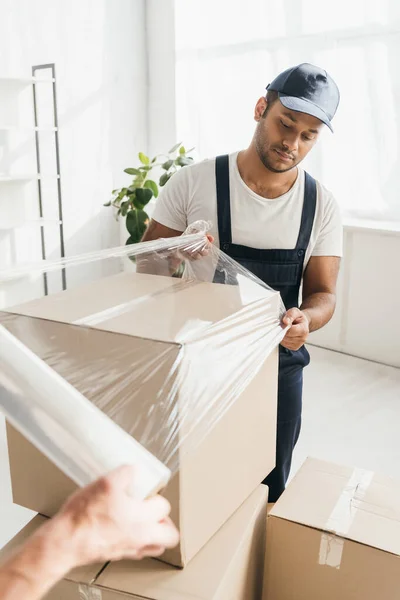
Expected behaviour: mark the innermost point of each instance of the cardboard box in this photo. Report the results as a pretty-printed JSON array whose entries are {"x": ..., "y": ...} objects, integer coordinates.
[
  {"x": 229, "y": 567},
  {"x": 81, "y": 575},
  {"x": 334, "y": 533},
  {"x": 120, "y": 359}
]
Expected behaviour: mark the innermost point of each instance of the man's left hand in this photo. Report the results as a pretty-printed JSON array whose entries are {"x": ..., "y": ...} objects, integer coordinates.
[{"x": 299, "y": 329}]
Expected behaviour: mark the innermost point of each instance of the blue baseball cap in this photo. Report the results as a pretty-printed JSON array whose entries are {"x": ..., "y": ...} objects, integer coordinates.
[{"x": 308, "y": 89}]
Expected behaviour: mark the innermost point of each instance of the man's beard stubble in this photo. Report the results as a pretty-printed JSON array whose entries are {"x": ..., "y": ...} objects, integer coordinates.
[{"x": 264, "y": 157}]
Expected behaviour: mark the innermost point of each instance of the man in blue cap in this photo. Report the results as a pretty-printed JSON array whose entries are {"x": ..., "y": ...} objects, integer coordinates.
[{"x": 275, "y": 220}]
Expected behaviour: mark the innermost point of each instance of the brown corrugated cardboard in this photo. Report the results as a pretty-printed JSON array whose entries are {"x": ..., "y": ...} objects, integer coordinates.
[
  {"x": 69, "y": 586},
  {"x": 221, "y": 472},
  {"x": 229, "y": 567},
  {"x": 334, "y": 533}
]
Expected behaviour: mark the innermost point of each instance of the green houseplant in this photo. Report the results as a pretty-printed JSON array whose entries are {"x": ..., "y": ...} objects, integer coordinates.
[{"x": 131, "y": 201}]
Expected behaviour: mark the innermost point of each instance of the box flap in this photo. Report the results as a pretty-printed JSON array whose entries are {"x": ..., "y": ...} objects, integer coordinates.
[
  {"x": 204, "y": 575},
  {"x": 86, "y": 574},
  {"x": 160, "y": 308},
  {"x": 354, "y": 504}
]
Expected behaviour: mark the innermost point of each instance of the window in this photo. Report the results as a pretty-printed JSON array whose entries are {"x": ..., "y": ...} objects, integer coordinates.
[{"x": 227, "y": 52}]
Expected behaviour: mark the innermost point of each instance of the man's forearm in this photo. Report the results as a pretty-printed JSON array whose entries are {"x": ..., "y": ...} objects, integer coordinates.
[
  {"x": 42, "y": 561},
  {"x": 158, "y": 264},
  {"x": 319, "y": 309}
]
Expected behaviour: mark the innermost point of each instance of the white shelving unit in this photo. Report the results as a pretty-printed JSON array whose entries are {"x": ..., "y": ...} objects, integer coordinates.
[
  {"x": 25, "y": 80},
  {"x": 14, "y": 216},
  {"x": 32, "y": 223},
  {"x": 23, "y": 178},
  {"x": 14, "y": 128}
]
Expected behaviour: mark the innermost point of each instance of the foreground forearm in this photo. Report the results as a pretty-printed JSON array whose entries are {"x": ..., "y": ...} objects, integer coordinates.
[
  {"x": 37, "y": 566},
  {"x": 319, "y": 309}
]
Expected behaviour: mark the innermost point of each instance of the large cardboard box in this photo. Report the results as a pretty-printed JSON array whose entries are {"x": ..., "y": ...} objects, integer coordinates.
[
  {"x": 229, "y": 567},
  {"x": 69, "y": 587},
  {"x": 169, "y": 335},
  {"x": 334, "y": 534}
]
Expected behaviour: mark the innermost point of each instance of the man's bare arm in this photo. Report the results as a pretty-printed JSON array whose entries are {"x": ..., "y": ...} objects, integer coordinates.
[
  {"x": 152, "y": 263},
  {"x": 156, "y": 231},
  {"x": 319, "y": 290},
  {"x": 319, "y": 301}
]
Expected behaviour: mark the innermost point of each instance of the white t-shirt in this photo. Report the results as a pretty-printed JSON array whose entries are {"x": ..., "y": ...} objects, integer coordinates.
[{"x": 257, "y": 222}]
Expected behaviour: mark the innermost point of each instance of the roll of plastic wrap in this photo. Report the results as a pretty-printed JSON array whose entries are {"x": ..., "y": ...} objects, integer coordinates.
[{"x": 81, "y": 440}]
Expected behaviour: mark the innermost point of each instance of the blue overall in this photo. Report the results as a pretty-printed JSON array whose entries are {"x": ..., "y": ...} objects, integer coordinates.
[{"x": 282, "y": 270}]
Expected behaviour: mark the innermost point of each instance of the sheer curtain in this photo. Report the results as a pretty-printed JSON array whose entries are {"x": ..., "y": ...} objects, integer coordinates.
[{"x": 228, "y": 51}]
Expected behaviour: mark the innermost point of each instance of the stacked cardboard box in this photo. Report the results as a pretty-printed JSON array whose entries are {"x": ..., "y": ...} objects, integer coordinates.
[
  {"x": 229, "y": 567},
  {"x": 107, "y": 325},
  {"x": 334, "y": 533}
]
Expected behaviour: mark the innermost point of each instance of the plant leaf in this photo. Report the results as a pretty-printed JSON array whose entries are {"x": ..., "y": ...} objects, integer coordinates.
[
  {"x": 164, "y": 178},
  {"x": 129, "y": 241},
  {"x": 174, "y": 148},
  {"x": 151, "y": 185},
  {"x": 122, "y": 194},
  {"x": 144, "y": 159},
  {"x": 107, "y": 203},
  {"x": 182, "y": 150},
  {"x": 143, "y": 197},
  {"x": 168, "y": 164},
  {"x": 132, "y": 171},
  {"x": 183, "y": 161},
  {"x": 124, "y": 208},
  {"x": 136, "y": 223}
]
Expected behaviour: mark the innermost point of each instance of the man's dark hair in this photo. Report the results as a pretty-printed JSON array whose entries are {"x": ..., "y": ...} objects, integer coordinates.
[{"x": 271, "y": 98}]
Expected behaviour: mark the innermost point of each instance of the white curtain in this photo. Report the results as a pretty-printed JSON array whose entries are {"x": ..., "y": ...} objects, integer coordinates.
[{"x": 227, "y": 51}]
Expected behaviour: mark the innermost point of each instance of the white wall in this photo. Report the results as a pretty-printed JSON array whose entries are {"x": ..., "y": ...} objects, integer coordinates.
[
  {"x": 367, "y": 323},
  {"x": 161, "y": 72},
  {"x": 99, "y": 49}
]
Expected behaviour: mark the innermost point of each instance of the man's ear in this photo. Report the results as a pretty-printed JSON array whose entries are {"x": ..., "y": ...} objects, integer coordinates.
[{"x": 260, "y": 108}]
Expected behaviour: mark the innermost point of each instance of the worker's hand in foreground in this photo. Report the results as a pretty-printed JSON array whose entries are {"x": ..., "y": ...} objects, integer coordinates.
[
  {"x": 107, "y": 524},
  {"x": 298, "y": 331}
]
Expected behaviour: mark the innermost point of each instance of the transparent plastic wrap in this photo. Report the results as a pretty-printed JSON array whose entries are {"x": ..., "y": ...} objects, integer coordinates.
[
  {"x": 53, "y": 415},
  {"x": 163, "y": 356}
]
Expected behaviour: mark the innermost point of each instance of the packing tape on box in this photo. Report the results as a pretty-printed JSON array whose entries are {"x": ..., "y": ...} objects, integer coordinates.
[
  {"x": 87, "y": 592},
  {"x": 342, "y": 517}
]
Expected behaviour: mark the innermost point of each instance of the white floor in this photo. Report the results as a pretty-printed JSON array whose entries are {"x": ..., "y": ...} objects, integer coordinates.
[
  {"x": 351, "y": 416},
  {"x": 351, "y": 413}
]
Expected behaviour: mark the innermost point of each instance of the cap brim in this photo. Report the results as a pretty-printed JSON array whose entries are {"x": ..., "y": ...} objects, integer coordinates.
[{"x": 304, "y": 106}]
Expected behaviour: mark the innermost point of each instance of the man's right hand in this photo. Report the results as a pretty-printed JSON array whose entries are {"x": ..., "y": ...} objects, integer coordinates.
[{"x": 107, "y": 524}]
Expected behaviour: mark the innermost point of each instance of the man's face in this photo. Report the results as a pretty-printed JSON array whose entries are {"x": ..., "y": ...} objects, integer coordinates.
[{"x": 283, "y": 137}]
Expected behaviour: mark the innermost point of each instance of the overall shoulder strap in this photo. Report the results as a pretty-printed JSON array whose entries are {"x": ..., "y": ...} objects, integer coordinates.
[
  {"x": 223, "y": 199},
  {"x": 308, "y": 214}
]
